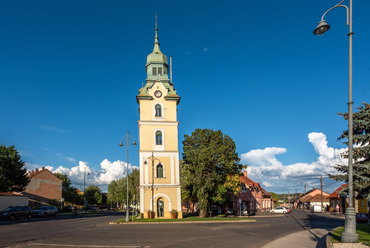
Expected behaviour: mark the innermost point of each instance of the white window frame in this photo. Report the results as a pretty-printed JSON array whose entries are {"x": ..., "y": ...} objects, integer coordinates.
[{"x": 158, "y": 147}]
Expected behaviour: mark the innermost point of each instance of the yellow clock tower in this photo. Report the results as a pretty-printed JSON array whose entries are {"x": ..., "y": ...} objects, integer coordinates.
[{"x": 158, "y": 134}]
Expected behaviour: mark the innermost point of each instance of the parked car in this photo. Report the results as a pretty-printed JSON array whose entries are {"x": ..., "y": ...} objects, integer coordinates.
[
  {"x": 45, "y": 211},
  {"x": 16, "y": 212},
  {"x": 279, "y": 210},
  {"x": 362, "y": 217}
]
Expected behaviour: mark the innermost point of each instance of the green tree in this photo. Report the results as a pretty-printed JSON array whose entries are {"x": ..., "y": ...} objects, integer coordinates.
[
  {"x": 361, "y": 152},
  {"x": 93, "y": 195},
  {"x": 117, "y": 189},
  {"x": 210, "y": 160},
  {"x": 13, "y": 177},
  {"x": 274, "y": 196},
  {"x": 69, "y": 193},
  {"x": 133, "y": 185}
]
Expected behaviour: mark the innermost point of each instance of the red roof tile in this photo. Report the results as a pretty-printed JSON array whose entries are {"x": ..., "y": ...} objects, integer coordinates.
[{"x": 335, "y": 194}]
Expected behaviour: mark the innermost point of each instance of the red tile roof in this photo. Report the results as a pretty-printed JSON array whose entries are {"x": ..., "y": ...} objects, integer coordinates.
[
  {"x": 248, "y": 181},
  {"x": 335, "y": 194}
]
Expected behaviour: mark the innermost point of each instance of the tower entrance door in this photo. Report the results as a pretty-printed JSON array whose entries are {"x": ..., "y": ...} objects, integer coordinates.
[{"x": 160, "y": 209}]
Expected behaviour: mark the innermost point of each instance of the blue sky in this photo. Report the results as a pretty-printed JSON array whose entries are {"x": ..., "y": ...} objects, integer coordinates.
[{"x": 70, "y": 71}]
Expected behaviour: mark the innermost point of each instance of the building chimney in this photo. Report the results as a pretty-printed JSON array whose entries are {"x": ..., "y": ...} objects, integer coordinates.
[
  {"x": 245, "y": 173},
  {"x": 37, "y": 170},
  {"x": 43, "y": 168}
]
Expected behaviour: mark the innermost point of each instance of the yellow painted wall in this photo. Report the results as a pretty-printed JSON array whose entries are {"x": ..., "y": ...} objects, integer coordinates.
[
  {"x": 148, "y": 125},
  {"x": 167, "y": 171},
  {"x": 147, "y": 137},
  {"x": 147, "y": 107}
]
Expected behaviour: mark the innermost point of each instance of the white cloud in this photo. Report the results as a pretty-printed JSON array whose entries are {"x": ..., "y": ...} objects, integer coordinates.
[
  {"x": 109, "y": 171},
  {"x": 264, "y": 166},
  {"x": 60, "y": 155},
  {"x": 205, "y": 49},
  {"x": 266, "y": 184},
  {"x": 31, "y": 167},
  {"x": 71, "y": 159}
]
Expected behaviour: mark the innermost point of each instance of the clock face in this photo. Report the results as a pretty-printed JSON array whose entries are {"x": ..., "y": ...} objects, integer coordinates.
[{"x": 158, "y": 93}]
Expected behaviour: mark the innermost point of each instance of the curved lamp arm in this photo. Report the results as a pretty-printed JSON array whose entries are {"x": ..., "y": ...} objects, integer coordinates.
[{"x": 336, "y": 6}]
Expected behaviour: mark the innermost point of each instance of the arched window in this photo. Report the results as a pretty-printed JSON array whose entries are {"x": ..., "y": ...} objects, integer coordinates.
[
  {"x": 158, "y": 138},
  {"x": 158, "y": 110},
  {"x": 159, "y": 170}
]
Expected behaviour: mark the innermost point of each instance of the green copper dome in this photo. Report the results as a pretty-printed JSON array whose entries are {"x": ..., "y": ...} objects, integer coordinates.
[{"x": 156, "y": 55}]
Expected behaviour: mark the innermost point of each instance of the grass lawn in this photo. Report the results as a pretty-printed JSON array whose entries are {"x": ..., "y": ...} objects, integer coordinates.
[
  {"x": 187, "y": 219},
  {"x": 363, "y": 231}
]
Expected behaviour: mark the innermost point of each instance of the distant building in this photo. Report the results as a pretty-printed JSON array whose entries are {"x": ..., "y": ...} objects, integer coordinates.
[
  {"x": 339, "y": 201},
  {"x": 310, "y": 199},
  {"x": 252, "y": 198},
  {"x": 43, "y": 188}
]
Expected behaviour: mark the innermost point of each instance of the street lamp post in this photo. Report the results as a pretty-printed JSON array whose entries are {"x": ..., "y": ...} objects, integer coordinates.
[
  {"x": 127, "y": 138},
  {"x": 84, "y": 186},
  {"x": 145, "y": 163},
  {"x": 349, "y": 235}
]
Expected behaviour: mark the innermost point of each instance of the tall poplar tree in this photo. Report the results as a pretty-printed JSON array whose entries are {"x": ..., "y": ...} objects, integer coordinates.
[
  {"x": 361, "y": 152},
  {"x": 13, "y": 175},
  {"x": 210, "y": 162}
]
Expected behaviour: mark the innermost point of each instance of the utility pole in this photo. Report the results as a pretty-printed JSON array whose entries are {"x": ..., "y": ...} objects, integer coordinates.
[
  {"x": 305, "y": 195},
  {"x": 322, "y": 195},
  {"x": 296, "y": 196}
]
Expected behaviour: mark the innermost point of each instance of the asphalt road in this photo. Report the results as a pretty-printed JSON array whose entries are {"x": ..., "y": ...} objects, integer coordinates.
[{"x": 95, "y": 231}]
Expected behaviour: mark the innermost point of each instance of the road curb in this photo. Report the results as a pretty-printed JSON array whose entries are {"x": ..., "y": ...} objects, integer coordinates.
[{"x": 180, "y": 222}]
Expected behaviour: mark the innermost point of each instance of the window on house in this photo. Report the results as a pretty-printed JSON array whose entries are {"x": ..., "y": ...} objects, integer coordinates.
[
  {"x": 158, "y": 110},
  {"x": 244, "y": 188},
  {"x": 159, "y": 71},
  {"x": 160, "y": 170},
  {"x": 154, "y": 71},
  {"x": 158, "y": 138}
]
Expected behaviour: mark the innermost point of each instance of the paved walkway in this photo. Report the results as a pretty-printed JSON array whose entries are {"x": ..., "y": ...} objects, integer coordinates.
[
  {"x": 304, "y": 239},
  {"x": 312, "y": 238}
]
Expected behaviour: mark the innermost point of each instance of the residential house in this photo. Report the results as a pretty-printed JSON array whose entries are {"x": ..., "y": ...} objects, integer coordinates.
[
  {"x": 311, "y": 198},
  {"x": 44, "y": 188},
  {"x": 339, "y": 201},
  {"x": 252, "y": 198}
]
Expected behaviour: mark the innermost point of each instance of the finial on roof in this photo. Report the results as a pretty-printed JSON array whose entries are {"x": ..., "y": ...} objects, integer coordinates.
[
  {"x": 156, "y": 21},
  {"x": 156, "y": 31}
]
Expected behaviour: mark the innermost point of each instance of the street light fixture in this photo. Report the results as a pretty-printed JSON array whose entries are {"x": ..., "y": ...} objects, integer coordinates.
[
  {"x": 349, "y": 235},
  {"x": 127, "y": 138},
  {"x": 146, "y": 163}
]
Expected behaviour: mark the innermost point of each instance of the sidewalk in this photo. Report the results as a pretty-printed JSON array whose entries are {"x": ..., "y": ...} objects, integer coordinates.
[{"x": 304, "y": 239}]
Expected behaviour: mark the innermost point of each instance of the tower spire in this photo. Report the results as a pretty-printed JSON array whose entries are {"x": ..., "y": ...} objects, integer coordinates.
[{"x": 156, "y": 40}]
